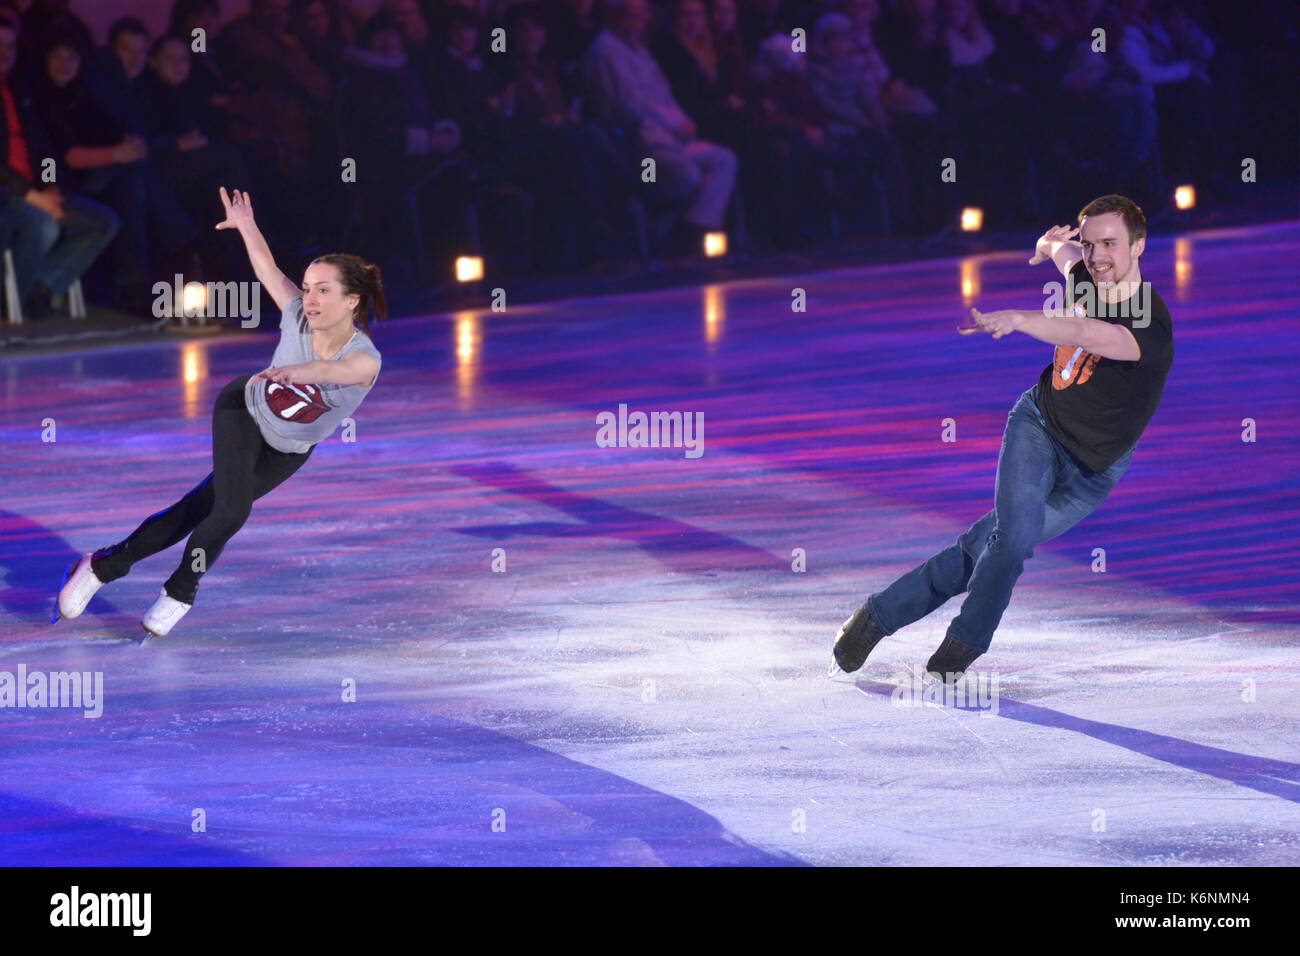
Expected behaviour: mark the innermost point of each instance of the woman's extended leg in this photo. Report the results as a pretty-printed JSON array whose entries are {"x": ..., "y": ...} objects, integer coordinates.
[
  {"x": 160, "y": 531},
  {"x": 156, "y": 533},
  {"x": 244, "y": 468},
  {"x": 164, "y": 529}
]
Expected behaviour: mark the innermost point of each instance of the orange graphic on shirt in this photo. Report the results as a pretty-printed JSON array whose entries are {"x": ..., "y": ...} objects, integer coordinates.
[{"x": 1071, "y": 366}]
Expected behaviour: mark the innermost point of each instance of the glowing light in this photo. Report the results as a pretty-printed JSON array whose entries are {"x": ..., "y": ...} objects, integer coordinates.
[
  {"x": 970, "y": 281},
  {"x": 715, "y": 313},
  {"x": 194, "y": 371},
  {"x": 715, "y": 244},
  {"x": 1185, "y": 197},
  {"x": 972, "y": 219},
  {"x": 469, "y": 268},
  {"x": 468, "y": 342},
  {"x": 1182, "y": 266},
  {"x": 466, "y": 336},
  {"x": 194, "y": 298}
]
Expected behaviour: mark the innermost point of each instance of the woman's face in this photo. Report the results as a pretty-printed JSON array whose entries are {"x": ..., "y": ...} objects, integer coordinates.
[
  {"x": 323, "y": 299},
  {"x": 62, "y": 65},
  {"x": 690, "y": 21},
  {"x": 724, "y": 16},
  {"x": 171, "y": 63}
]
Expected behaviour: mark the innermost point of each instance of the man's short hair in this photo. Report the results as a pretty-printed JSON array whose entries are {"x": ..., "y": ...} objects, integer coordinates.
[
  {"x": 132, "y": 25},
  {"x": 1129, "y": 211}
]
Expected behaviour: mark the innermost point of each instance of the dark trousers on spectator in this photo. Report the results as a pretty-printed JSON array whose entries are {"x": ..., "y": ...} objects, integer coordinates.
[
  {"x": 54, "y": 252},
  {"x": 142, "y": 199}
]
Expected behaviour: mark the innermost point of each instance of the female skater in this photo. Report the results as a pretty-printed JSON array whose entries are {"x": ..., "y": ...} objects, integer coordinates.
[{"x": 264, "y": 426}]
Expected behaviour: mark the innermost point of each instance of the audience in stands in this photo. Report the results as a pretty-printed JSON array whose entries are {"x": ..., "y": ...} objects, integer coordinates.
[
  {"x": 52, "y": 232},
  {"x": 801, "y": 119},
  {"x": 631, "y": 94}
]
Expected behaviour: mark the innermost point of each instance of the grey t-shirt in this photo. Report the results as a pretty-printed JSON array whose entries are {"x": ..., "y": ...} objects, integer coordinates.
[{"x": 292, "y": 418}]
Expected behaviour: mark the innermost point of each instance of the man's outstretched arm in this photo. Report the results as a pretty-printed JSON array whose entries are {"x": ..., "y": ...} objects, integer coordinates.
[{"x": 1100, "y": 338}]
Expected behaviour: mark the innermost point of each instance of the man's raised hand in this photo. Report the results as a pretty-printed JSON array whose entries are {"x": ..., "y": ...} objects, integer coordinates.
[{"x": 1043, "y": 249}]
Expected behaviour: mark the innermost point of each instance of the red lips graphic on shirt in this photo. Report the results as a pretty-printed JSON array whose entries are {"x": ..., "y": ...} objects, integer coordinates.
[
  {"x": 295, "y": 403},
  {"x": 1071, "y": 366}
]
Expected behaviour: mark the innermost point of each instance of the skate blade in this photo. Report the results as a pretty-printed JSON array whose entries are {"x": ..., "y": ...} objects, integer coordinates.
[
  {"x": 839, "y": 674},
  {"x": 55, "y": 617}
]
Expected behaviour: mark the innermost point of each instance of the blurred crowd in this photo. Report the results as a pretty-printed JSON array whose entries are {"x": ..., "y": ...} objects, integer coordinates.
[{"x": 430, "y": 127}]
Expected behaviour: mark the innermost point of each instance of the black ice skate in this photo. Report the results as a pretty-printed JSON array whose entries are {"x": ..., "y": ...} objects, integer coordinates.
[
  {"x": 951, "y": 660},
  {"x": 854, "y": 641}
]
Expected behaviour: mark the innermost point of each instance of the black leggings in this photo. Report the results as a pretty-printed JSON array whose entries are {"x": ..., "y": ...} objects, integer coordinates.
[{"x": 244, "y": 468}]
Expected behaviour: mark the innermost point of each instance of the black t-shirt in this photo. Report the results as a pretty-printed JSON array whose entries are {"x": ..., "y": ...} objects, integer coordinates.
[{"x": 1098, "y": 407}]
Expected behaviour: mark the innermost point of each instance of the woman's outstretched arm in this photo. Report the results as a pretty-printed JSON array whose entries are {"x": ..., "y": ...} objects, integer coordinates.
[{"x": 239, "y": 215}]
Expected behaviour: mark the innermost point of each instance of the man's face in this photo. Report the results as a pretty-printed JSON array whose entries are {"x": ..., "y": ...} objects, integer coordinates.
[
  {"x": 132, "y": 52},
  {"x": 172, "y": 62},
  {"x": 410, "y": 21},
  {"x": 1107, "y": 253},
  {"x": 385, "y": 43},
  {"x": 691, "y": 20},
  {"x": 464, "y": 38},
  {"x": 273, "y": 15},
  {"x": 724, "y": 16},
  {"x": 636, "y": 17},
  {"x": 316, "y": 21},
  {"x": 532, "y": 37}
]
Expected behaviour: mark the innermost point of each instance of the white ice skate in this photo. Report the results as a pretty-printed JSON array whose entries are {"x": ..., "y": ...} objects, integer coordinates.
[
  {"x": 164, "y": 614},
  {"x": 79, "y": 586}
]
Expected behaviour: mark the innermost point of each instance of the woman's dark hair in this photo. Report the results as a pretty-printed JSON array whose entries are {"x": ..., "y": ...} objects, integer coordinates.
[
  {"x": 361, "y": 278},
  {"x": 66, "y": 38}
]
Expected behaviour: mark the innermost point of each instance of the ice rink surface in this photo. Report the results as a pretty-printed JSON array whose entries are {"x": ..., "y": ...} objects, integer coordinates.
[{"x": 645, "y": 681}]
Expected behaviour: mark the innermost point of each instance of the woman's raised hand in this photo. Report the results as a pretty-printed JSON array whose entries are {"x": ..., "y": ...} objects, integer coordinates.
[{"x": 239, "y": 209}]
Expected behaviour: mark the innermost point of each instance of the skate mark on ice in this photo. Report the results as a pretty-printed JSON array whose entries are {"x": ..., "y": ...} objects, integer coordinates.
[
  {"x": 677, "y": 544},
  {"x": 1277, "y": 778}
]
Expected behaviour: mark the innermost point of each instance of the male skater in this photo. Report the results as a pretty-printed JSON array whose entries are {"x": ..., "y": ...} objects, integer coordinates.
[{"x": 1068, "y": 438}]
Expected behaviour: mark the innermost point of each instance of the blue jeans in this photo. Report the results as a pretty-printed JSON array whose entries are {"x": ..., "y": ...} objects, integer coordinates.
[
  {"x": 1041, "y": 491},
  {"x": 50, "y": 252}
]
